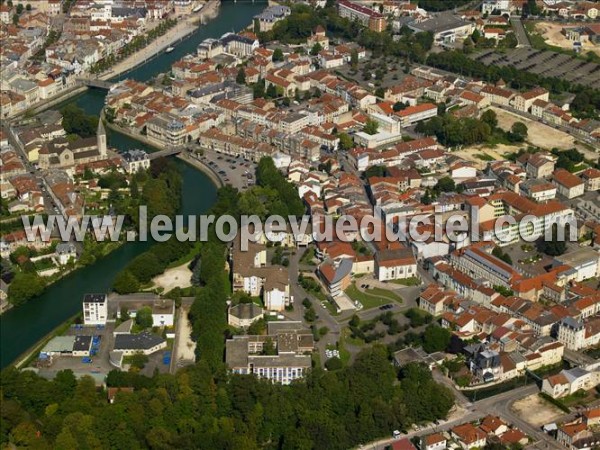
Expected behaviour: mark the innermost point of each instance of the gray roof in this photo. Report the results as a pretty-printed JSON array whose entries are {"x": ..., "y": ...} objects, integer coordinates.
[
  {"x": 94, "y": 298},
  {"x": 246, "y": 311},
  {"x": 82, "y": 343},
  {"x": 59, "y": 344},
  {"x": 125, "y": 327},
  {"x": 574, "y": 373},
  {"x": 142, "y": 341},
  {"x": 441, "y": 22}
]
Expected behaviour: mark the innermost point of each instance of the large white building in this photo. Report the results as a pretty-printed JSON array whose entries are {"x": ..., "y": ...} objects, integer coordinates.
[
  {"x": 95, "y": 309},
  {"x": 288, "y": 362},
  {"x": 577, "y": 334}
]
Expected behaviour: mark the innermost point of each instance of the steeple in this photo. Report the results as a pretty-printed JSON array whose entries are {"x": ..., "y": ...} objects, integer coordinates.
[{"x": 101, "y": 136}]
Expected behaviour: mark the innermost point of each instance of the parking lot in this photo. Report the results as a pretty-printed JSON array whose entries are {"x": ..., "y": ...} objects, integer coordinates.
[
  {"x": 97, "y": 364},
  {"x": 545, "y": 63},
  {"x": 235, "y": 171}
]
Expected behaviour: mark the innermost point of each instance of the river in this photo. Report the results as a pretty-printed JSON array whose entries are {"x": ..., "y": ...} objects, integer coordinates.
[{"x": 24, "y": 326}]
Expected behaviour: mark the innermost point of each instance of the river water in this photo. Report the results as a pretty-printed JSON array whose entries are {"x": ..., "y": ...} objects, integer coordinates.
[{"x": 22, "y": 327}]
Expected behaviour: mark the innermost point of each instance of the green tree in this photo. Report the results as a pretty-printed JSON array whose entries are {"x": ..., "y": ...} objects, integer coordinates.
[
  {"x": 241, "y": 76},
  {"x": 126, "y": 283},
  {"x": 354, "y": 59},
  {"x": 490, "y": 118},
  {"x": 271, "y": 91},
  {"x": 519, "y": 130},
  {"x": 139, "y": 360},
  {"x": 436, "y": 339},
  {"x": 143, "y": 317},
  {"x": 277, "y": 55},
  {"x": 371, "y": 127},
  {"x": 316, "y": 49},
  {"x": 554, "y": 246},
  {"x": 24, "y": 287},
  {"x": 346, "y": 142},
  {"x": 310, "y": 315},
  {"x": 445, "y": 184},
  {"x": 334, "y": 364}
]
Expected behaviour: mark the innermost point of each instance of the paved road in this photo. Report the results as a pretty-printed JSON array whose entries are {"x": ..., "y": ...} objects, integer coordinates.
[
  {"x": 499, "y": 405},
  {"x": 325, "y": 318},
  {"x": 520, "y": 32}
]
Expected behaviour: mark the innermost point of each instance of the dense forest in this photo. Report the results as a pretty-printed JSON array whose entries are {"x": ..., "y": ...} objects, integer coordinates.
[{"x": 204, "y": 408}]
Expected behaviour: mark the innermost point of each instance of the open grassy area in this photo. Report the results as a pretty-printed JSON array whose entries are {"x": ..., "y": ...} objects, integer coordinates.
[
  {"x": 412, "y": 281},
  {"x": 374, "y": 298},
  {"x": 347, "y": 334},
  {"x": 308, "y": 257},
  {"x": 484, "y": 157}
]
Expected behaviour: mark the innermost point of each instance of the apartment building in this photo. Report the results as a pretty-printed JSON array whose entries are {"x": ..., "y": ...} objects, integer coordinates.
[
  {"x": 568, "y": 185},
  {"x": 291, "y": 359},
  {"x": 95, "y": 309},
  {"x": 478, "y": 264},
  {"x": 366, "y": 16}
]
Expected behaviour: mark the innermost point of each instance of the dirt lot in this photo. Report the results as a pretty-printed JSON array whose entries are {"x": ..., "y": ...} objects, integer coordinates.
[
  {"x": 551, "y": 32},
  {"x": 184, "y": 347},
  {"x": 497, "y": 153},
  {"x": 179, "y": 276},
  {"x": 540, "y": 135},
  {"x": 536, "y": 411}
]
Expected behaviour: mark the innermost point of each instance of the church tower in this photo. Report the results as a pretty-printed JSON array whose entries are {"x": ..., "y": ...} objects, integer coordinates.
[{"x": 101, "y": 136}]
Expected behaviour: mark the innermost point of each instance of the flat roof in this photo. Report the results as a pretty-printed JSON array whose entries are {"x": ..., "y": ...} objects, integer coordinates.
[
  {"x": 59, "y": 344},
  {"x": 94, "y": 298},
  {"x": 142, "y": 341}
]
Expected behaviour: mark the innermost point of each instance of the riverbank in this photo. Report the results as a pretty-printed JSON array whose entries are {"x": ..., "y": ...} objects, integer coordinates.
[
  {"x": 184, "y": 28},
  {"x": 25, "y": 326},
  {"x": 205, "y": 168},
  {"x": 27, "y": 357},
  {"x": 214, "y": 177}
]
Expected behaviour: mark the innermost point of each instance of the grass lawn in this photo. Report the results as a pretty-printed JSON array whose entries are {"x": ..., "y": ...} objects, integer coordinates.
[
  {"x": 347, "y": 335},
  {"x": 331, "y": 308},
  {"x": 374, "y": 298},
  {"x": 308, "y": 257},
  {"x": 344, "y": 354},
  {"x": 484, "y": 156},
  {"x": 412, "y": 281}
]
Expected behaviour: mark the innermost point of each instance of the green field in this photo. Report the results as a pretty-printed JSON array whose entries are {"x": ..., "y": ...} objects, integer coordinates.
[{"x": 373, "y": 298}]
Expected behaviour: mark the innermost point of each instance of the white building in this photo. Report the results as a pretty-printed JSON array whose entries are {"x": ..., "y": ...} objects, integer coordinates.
[
  {"x": 95, "y": 309},
  {"x": 65, "y": 252},
  {"x": 497, "y": 6},
  {"x": 395, "y": 264},
  {"x": 135, "y": 160},
  {"x": 568, "y": 382}
]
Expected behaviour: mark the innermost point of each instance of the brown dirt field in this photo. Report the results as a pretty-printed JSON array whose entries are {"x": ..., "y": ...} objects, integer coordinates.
[
  {"x": 176, "y": 277},
  {"x": 540, "y": 135},
  {"x": 551, "y": 32},
  {"x": 536, "y": 411}
]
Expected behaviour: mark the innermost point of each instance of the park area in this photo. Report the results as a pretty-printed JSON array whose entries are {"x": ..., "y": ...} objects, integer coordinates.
[{"x": 372, "y": 297}]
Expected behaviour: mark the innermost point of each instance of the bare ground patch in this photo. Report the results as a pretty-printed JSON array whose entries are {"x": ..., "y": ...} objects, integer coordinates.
[
  {"x": 179, "y": 276},
  {"x": 536, "y": 411},
  {"x": 551, "y": 32}
]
